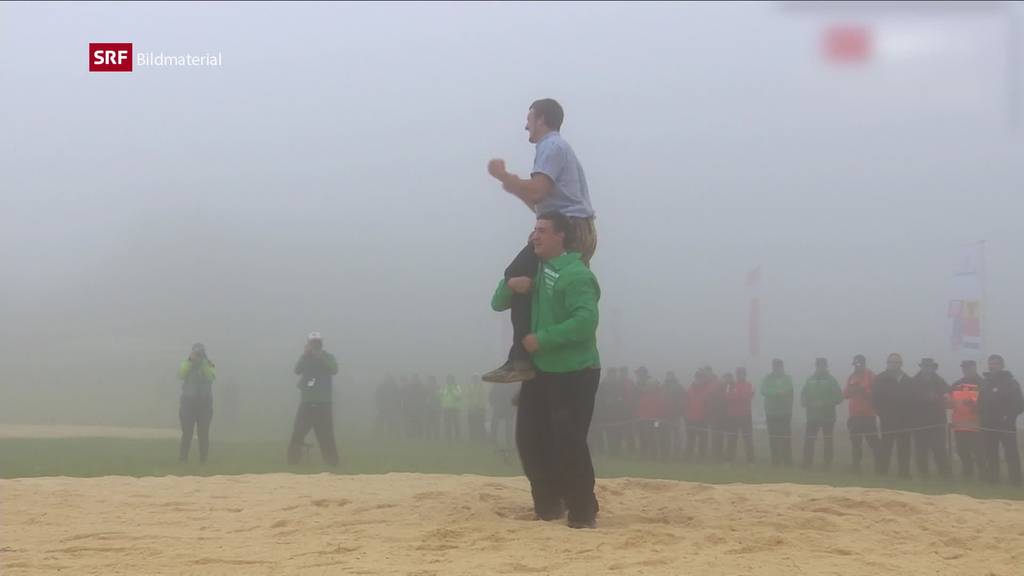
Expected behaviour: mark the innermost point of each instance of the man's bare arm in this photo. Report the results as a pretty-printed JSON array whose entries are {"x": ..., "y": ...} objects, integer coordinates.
[{"x": 530, "y": 191}]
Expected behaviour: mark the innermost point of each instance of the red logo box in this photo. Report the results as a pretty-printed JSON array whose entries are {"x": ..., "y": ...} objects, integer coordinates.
[{"x": 110, "y": 57}]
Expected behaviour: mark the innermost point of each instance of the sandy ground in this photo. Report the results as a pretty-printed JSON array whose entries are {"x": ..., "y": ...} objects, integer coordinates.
[
  {"x": 64, "y": 431},
  {"x": 424, "y": 524}
]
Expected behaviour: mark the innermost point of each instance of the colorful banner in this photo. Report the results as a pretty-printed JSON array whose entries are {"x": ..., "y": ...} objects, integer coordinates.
[{"x": 965, "y": 303}]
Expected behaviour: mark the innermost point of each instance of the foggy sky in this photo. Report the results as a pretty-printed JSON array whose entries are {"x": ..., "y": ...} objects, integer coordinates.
[{"x": 331, "y": 176}]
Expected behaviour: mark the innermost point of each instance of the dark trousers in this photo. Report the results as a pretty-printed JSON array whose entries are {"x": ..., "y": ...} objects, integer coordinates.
[
  {"x": 894, "y": 435},
  {"x": 525, "y": 264},
  {"x": 968, "y": 450},
  {"x": 319, "y": 418},
  {"x": 615, "y": 436},
  {"x": 596, "y": 437},
  {"x": 718, "y": 428},
  {"x": 195, "y": 414},
  {"x": 740, "y": 427},
  {"x": 696, "y": 440},
  {"x": 655, "y": 439},
  {"x": 504, "y": 419},
  {"x": 863, "y": 430},
  {"x": 552, "y": 422},
  {"x": 677, "y": 448},
  {"x": 475, "y": 430},
  {"x": 452, "y": 430},
  {"x": 433, "y": 423},
  {"x": 827, "y": 429},
  {"x": 992, "y": 440},
  {"x": 780, "y": 439},
  {"x": 930, "y": 444}
]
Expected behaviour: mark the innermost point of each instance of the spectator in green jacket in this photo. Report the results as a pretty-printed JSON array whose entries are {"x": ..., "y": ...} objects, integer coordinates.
[
  {"x": 196, "y": 408},
  {"x": 316, "y": 369},
  {"x": 777, "y": 390},
  {"x": 451, "y": 403},
  {"x": 556, "y": 406},
  {"x": 820, "y": 396}
]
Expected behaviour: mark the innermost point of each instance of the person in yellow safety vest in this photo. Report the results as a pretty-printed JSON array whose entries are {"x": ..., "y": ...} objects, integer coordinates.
[
  {"x": 963, "y": 400},
  {"x": 451, "y": 402}
]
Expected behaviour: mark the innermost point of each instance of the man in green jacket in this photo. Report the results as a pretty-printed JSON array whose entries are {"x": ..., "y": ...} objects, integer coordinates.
[
  {"x": 777, "y": 389},
  {"x": 316, "y": 369},
  {"x": 556, "y": 407},
  {"x": 820, "y": 396},
  {"x": 196, "y": 408}
]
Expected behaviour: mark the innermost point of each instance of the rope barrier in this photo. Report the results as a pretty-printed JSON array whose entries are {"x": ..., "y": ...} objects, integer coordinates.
[{"x": 683, "y": 426}]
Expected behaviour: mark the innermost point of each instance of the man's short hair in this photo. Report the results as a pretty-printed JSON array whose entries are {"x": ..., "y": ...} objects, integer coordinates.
[
  {"x": 550, "y": 110},
  {"x": 561, "y": 224}
]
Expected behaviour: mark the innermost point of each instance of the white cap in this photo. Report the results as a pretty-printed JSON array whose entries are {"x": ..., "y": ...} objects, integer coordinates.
[{"x": 314, "y": 336}]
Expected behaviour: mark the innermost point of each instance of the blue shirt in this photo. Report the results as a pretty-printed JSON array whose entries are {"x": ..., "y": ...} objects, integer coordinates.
[{"x": 569, "y": 195}]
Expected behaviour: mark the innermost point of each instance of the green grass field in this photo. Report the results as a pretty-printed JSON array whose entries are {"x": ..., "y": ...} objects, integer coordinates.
[{"x": 86, "y": 457}]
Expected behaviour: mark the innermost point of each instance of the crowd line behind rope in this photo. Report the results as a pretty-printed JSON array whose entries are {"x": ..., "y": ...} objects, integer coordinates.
[{"x": 879, "y": 432}]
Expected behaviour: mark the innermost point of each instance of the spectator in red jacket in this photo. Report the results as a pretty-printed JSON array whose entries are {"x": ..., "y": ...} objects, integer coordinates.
[
  {"x": 717, "y": 411},
  {"x": 862, "y": 422},
  {"x": 628, "y": 430},
  {"x": 695, "y": 414},
  {"x": 675, "y": 398},
  {"x": 651, "y": 415},
  {"x": 739, "y": 394}
]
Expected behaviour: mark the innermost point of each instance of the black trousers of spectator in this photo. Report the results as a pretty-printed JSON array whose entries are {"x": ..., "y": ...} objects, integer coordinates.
[
  {"x": 504, "y": 420},
  {"x": 677, "y": 447},
  {"x": 319, "y": 418},
  {"x": 656, "y": 437},
  {"x": 992, "y": 440},
  {"x": 452, "y": 429},
  {"x": 617, "y": 435},
  {"x": 930, "y": 444},
  {"x": 552, "y": 423},
  {"x": 780, "y": 439},
  {"x": 894, "y": 434},
  {"x": 827, "y": 429},
  {"x": 696, "y": 440},
  {"x": 863, "y": 430},
  {"x": 475, "y": 429},
  {"x": 740, "y": 427},
  {"x": 970, "y": 453},
  {"x": 195, "y": 414},
  {"x": 718, "y": 427}
]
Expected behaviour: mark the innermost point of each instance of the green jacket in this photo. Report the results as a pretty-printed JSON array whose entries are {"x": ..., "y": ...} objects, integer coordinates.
[
  {"x": 565, "y": 316},
  {"x": 196, "y": 379},
  {"x": 820, "y": 396},
  {"x": 451, "y": 397},
  {"x": 778, "y": 395},
  {"x": 316, "y": 378}
]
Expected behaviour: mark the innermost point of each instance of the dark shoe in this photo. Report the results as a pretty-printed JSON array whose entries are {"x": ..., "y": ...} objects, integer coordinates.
[{"x": 511, "y": 371}]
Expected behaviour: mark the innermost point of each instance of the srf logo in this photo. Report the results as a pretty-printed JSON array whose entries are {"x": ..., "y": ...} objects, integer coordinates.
[{"x": 110, "y": 57}]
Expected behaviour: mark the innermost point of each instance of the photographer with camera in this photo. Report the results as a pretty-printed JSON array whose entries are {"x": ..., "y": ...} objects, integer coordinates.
[
  {"x": 316, "y": 369},
  {"x": 196, "y": 409}
]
